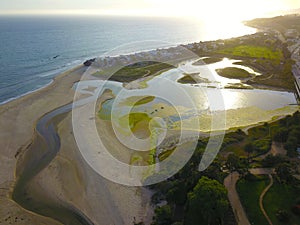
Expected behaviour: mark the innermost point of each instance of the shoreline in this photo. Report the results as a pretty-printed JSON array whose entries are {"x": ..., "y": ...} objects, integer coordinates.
[
  {"x": 18, "y": 118},
  {"x": 29, "y": 108},
  {"x": 119, "y": 56},
  {"x": 54, "y": 79},
  {"x": 36, "y": 105}
]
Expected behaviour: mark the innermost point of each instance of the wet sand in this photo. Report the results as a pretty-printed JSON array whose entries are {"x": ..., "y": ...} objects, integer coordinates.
[
  {"x": 17, "y": 122},
  {"x": 68, "y": 179}
]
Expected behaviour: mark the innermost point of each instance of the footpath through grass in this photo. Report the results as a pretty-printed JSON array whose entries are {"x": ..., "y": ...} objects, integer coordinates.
[
  {"x": 249, "y": 191},
  {"x": 281, "y": 197}
]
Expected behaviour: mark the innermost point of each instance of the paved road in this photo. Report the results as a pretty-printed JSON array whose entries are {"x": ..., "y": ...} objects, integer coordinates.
[{"x": 234, "y": 199}]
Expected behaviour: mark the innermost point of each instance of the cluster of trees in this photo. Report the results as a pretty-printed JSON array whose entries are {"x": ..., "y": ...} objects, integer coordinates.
[
  {"x": 193, "y": 197},
  {"x": 288, "y": 132},
  {"x": 206, "y": 204}
]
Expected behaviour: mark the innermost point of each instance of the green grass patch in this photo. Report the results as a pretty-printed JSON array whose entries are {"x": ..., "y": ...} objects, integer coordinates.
[
  {"x": 233, "y": 73},
  {"x": 281, "y": 196},
  {"x": 249, "y": 192},
  {"x": 137, "y": 100},
  {"x": 187, "y": 79},
  {"x": 253, "y": 52},
  {"x": 135, "y": 118},
  {"x": 193, "y": 78},
  {"x": 135, "y": 71},
  {"x": 208, "y": 60}
]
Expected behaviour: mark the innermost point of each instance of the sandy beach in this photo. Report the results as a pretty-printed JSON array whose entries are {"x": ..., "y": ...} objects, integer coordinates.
[{"x": 68, "y": 180}]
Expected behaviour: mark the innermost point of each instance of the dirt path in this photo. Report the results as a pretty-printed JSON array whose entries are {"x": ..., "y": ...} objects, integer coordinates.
[
  {"x": 277, "y": 149},
  {"x": 234, "y": 199},
  {"x": 261, "y": 197},
  {"x": 262, "y": 171}
]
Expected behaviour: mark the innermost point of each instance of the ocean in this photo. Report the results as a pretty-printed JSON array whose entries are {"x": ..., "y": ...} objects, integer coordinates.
[{"x": 35, "y": 49}]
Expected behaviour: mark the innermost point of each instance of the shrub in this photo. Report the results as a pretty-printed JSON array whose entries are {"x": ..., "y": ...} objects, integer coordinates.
[
  {"x": 282, "y": 215},
  {"x": 296, "y": 210}
]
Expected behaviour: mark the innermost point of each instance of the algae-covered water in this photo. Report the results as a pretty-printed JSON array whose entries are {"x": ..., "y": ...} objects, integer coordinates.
[{"x": 165, "y": 98}]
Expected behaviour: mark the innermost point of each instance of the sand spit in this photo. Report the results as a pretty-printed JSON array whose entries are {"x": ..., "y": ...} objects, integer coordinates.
[{"x": 68, "y": 179}]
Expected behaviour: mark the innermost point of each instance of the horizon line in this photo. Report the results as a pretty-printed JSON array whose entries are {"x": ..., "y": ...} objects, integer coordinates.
[{"x": 123, "y": 12}]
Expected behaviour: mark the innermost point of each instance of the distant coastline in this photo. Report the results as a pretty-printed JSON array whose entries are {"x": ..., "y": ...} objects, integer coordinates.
[
  {"x": 38, "y": 71},
  {"x": 18, "y": 117}
]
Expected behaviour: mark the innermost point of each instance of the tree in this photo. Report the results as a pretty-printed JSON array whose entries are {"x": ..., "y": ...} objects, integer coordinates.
[
  {"x": 273, "y": 160},
  {"x": 163, "y": 215},
  {"x": 249, "y": 148},
  {"x": 281, "y": 135},
  {"x": 284, "y": 172},
  {"x": 282, "y": 215},
  {"x": 233, "y": 162},
  {"x": 207, "y": 203},
  {"x": 291, "y": 146}
]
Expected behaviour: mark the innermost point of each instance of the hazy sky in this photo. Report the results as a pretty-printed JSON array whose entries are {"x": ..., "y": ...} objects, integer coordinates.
[{"x": 199, "y": 8}]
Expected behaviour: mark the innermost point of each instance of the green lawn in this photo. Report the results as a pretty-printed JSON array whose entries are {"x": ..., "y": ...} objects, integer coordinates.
[
  {"x": 253, "y": 52},
  {"x": 283, "y": 197},
  {"x": 249, "y": 192}
]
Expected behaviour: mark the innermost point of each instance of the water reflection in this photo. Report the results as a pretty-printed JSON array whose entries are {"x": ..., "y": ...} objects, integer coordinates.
[{"x": 243, "y": 107}]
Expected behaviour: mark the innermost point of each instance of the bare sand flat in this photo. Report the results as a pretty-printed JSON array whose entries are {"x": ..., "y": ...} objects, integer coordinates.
[
  {"x": 17, "y": 121},
  {"x": 68, "y": 179}
]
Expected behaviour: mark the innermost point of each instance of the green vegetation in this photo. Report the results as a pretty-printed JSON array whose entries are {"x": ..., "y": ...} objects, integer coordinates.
[
  {"x": 135, "y": 71},
  {"x": 259, "y": 139},
  {"x": 192, "y": 79},
  {"x": 163, "y": 215},
  {"x": 144, "y": 100},
  {"x": 264, "y": 52},
  {"x": 180, "y": 191},
  {"x": 282, "y": 197},
  {"x": 280, "y": 201},
  {"x": 280, "y": 23},
  {"x": 256, "y": 143},
  {"x": 187, "y": 79},
  {"x": 287, "y": 131},
  {"x": 135, "y": 118},
  {"x": 233, "y": 73},
  {"x": 249, "y": 190},
  {"x": 208, "y": 60},
  {"x": 233, "y": 162},
  {"x": 207, "y": 203},
  {"x": 254, "y": 52},
  {"x": 137, "y": 100},
  {"x": 212, "y": 60}
]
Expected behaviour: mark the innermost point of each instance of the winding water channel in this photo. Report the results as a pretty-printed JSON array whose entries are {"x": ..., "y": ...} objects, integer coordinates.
[{"x": 46, "y": 132}]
